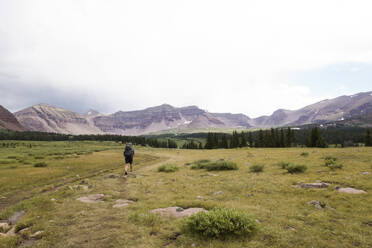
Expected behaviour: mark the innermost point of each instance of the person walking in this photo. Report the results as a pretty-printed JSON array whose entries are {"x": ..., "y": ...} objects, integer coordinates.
[{"x": 128, "y": 157}]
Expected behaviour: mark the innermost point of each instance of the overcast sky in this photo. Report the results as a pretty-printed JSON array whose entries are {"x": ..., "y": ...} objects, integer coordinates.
[{"x": 247, "y": 56}]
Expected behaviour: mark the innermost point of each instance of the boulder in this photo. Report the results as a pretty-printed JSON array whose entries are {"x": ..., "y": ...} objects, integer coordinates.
[
  {"x": 122, "y": 203},
  {"x": 4, "y": 227},
  {"x": 24, "y": 231},
  {"x": 16, "y": 217},
  {"x": 177, "y": 212},
  {"x": 94, "y": 198},
  {"x": 314, "y": 185},
  {"x": 351, "y": 191},
  {"x": 11, "y": 232},
  {"x": 37, "y": 235},
  {"x": 366, "y": 173},
  {"x": 218, "y": 193}
]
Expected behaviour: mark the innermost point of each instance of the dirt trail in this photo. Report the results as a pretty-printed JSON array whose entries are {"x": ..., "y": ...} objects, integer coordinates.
[
  {"x": 170, "y": 158},
  {"x": 8, "y": 202}
]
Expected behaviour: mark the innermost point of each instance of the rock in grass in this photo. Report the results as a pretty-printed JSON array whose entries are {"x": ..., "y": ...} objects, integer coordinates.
[
  {"x": 94, "y": 198},
  {"x": 177, "y": 212},
  {"x": 314, "y": 185},
  {"x": 4, "y": 227},
  {"x": 16, "y": 217},
  {"x": 122, "y": 203},
  {"x": 317, "y": 204},
  {"x": 351, "y": 191},
  {"x": 37, "y": 235},
  {"x": 218, "y": 193}
]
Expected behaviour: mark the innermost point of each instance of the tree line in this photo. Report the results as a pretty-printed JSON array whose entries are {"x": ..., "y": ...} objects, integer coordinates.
[
  {"x": 41, "y": 136},
  {"x": 311, "y": 136}
]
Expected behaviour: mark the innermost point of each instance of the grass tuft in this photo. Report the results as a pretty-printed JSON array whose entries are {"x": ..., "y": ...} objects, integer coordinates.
[
  {"x": 144, "y": 218},
  {"x": 41, "y": 164},
  {"x": 283, "y": 165},
  {"x": 296, "y": 168},
  {"x": 304, "y": 154},
  {"x": 168, "y": 168},
  {"x": 256, "y": 168},
  {"x": 221, "y": 165}
]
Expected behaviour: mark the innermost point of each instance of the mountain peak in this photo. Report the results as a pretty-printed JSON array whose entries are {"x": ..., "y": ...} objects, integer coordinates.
[
  {"x": 9, "y": 121},
  {"x": 92, "y": 112}
]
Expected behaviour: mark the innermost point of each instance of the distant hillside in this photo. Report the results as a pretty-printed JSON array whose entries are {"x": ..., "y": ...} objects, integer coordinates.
[
  {"x": 46, "y": 118},
  {"x": 8, "y": 121},
  {"x": 337, "y": 109},
  {"x": 354, "y": 110}
]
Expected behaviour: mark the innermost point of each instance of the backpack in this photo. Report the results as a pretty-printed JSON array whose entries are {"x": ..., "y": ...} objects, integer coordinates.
[{"x": 128, "y": 150}]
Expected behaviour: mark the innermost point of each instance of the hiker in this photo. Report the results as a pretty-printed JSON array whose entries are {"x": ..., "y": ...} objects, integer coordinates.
[{"x": 128, "y": 155}]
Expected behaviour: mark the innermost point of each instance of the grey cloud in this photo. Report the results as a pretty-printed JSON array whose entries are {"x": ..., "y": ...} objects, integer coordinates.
[{"x": 16, "y": 95}]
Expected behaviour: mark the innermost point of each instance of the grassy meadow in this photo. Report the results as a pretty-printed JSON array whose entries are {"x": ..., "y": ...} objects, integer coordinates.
[{"x": 260, "y": 186}]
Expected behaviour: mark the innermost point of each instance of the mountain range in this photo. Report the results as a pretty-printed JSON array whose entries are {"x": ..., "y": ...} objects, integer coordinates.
[
  {"x": 8, "y": 120},
  {"x": 166, "y": 118}
]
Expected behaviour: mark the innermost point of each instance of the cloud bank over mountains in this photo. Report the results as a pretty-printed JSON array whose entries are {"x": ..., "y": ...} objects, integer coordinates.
[{"x": 222, "y": 56}]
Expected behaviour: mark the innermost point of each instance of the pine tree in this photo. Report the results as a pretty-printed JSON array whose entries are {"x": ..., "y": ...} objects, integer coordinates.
[
  {"x": 234, "y": 140},
  {"x": 260, "y": 139},
  {"x": 272, "y": 138},
  {"x": 281, "y": 141},
  {"x": 288, "y": 139},
  {"x": 209, "y": 144},
  {"x": 250, "y": 139},
  {"x": 215, "y": 141},
  {"x": 243, "y": 140},
  {"x": 315, "y": 139},
  {"x": 267, "y": 141},
  {"x": 368, "y": 138},
  {"x": 224, "y": 143}
]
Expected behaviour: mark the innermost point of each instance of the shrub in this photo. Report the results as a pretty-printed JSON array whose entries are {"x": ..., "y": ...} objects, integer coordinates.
[
  {"x": 283, "y": 165},
  {"x": 256, "y": 168},
  {"x": 221, "y": 165},
  {"x": 220, "y": 223},
  {"x": 6, "y": 161},
  {"x": 335, "y": 166},
  {"x": 330, "y": 162},
  {"x": 41, "y": 164},
  {"x": 304, "y": 154},
  {"x": 202, "y": 161},
  {"x": 296, "y": 168},
  {"x": 21, "y": 226},
  {"x": 39, "y": 157},
  {"x": 200, "y": 164},
  {"x": 168, "y": 168}
]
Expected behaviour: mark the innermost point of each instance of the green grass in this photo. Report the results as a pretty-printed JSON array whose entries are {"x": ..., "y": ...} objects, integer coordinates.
[
  {"x": 283, "y": 165},
  {"x": 218, "y": 165},
  {"x": 168, "y": 168},
  {"x": 304, "y": 154},
  {"x": 40, "y": 164},
  {"x": 256, "y": 168},
  {"x": 296, "y": 168},
  {"x": 280, "y": 210},
  {"x": 222, "y": 165}
]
